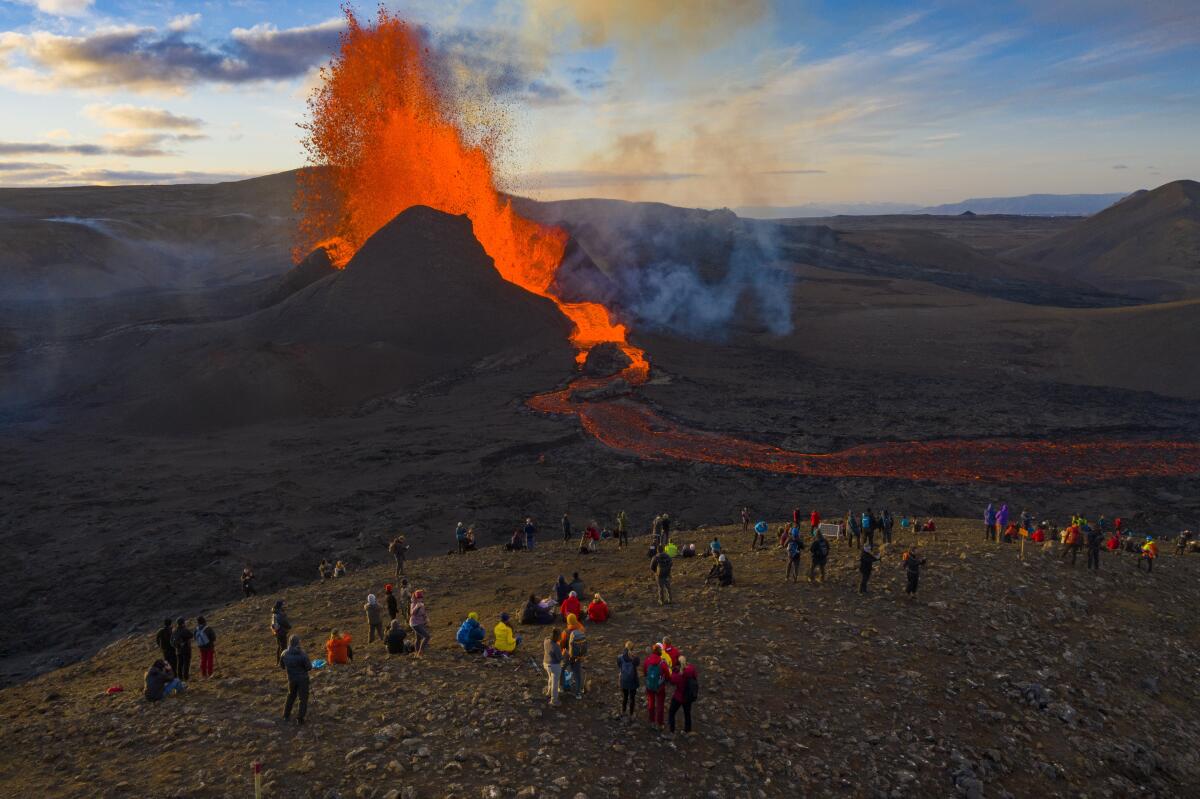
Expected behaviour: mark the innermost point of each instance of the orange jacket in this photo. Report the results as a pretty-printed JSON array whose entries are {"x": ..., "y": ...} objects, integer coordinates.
[
  {"x": 337, "y": 650},
  {"x": 1072, "y": 537},
  {"x": 1150, "y": 549}
]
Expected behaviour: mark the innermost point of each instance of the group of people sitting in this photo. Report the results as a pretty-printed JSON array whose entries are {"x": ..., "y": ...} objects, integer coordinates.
[{"x": 329, "y": 571}]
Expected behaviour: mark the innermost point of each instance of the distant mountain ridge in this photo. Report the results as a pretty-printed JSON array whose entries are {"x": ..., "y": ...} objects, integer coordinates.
[{"x": 1031, "y": 205}]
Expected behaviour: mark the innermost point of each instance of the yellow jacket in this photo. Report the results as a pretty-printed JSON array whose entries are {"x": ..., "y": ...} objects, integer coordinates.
[{"x": 505, "y": 641}]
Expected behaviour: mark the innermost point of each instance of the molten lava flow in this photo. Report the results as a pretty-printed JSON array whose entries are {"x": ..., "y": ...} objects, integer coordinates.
[{"x": 392, "y": 138}]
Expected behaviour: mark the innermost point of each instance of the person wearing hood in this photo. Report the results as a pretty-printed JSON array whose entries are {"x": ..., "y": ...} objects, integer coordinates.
[
  {"x": 392, "y": 606},
  {"x": 866, "y": 561},
  {"x": 537, "y": 611},
  {"x": 989, "y": 523},
  {"x": 182, "y": 639},
  {"x": 562, "y": 589},
  {"x": 339, "y": 569},
  {"x": 294, "y": 661},
  {"x": 281, "y": 627},
  {"x": 627, "y": 671},
  {"x": 597, "y": 610},
  {"x": 418, "y": 620},
  {"x": 460, "y": 538},
  {"x": 570, "y": 605},
  {"x": 163, "y": 639},
  {"x": 325, "y": 569},
  {"x": 506, "y": 641},
  {"x": 206, "y": 642},
  {"x": 470, "y": 633},
  {"x": 161, "y": 682},
  {"x": 530, "y": 533},
  {"x": 395, "y": 638},
  {"x": 374, "y": 619},
  {"x": 912, "y": 569},
  {"x": 722, "y": 571},
  {"x": 573, "y": 624},
  {"x": 577, "y": 584},
  {"x": 338, "y": 651},
  {"x": 1001, "y": 518},
  {"x": 687, "y": 687}
]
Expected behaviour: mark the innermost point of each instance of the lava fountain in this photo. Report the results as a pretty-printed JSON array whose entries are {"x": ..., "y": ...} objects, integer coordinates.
[{"x": 389, "y": 137}]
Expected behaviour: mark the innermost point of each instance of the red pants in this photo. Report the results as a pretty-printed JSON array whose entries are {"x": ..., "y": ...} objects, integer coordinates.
[
  {"x": 206, "y": 661},
  {"x": 655, "y": 705}
]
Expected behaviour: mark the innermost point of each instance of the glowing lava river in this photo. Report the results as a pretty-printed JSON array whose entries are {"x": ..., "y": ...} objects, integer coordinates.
[{"x": 391, "y": 137}]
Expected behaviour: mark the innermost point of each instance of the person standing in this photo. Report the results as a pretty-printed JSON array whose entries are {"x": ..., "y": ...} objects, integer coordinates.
[
  {"x": 866, "y": 561},
  {"x": 530, "y": 533},
  {"x": 577, "y": 648},
  {"x": 1149, "y": 554},
  {"x": 819, "y": 555},
  {"x": 399, "y": 550},
  {"x": 281, "y": 627},
  {"x": 566, "y": 528},
  {"x": 912, "y": 569},
  {"x": 374, "y": 619},
  {"x": 795, "y": 549},
  {"x": 660, "y": 565},
  {"x": 622, "y": 530},
  {"x": 418, "y": 620},
  {"x": 181, "y": 639},
  {"x": 295, "y": 662},
  {"x": 627, "y": 670},
  {"x": 687, "y": 689},
  {"x": 989, "y": 522},
  {"x": 745, "y": 519},
  {"x": 248, "y": 582},
  {"x": 655, "y": 671},
  {"x": 868, "y": 527},
  {"x": 1095, "y": 537},
  {"x": 206, "y": 642},
  {"x": 1001, "y": 520},
  {"x": 853, "y": 529},
  {"x": 887, "y": 524},
  {"x": 552, "y": 663},
  {"x": 165, "y": 645},
  {"x": 460, "y": 538},
  {"x": 392, "y": 606},
  {"x": 404, "y": 600},
  {"x": 814, "y": 521}
]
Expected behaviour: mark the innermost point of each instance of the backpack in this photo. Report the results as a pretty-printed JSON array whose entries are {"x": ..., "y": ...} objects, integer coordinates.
[
  {"x": 654, "y": 677},
  {"x": 691, "y": 690},
  {"x": 577, "y": 645},
  {"x": 201, "y": 636},
  {"x": 628, "y": 671}
]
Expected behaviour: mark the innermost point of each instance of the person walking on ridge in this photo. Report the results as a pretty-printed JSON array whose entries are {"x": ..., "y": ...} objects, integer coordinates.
[
  {"x": 912, "y": 569},
  {"x": 418, "y": 620},
  {"x": 206, "y": 642},
  {"x": 819, "y": 555},
  {"x": 866, "y": 561},
  {"x": 566, "y": 529},
  {"x": 660, "y": 565}
]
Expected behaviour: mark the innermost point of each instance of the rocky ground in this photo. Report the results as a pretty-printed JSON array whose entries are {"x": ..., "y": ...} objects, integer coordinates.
[{"x": 1003, "y": 678}]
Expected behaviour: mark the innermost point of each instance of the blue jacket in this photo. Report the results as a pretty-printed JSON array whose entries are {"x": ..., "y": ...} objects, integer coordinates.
[{"x": 470, "y": 635}]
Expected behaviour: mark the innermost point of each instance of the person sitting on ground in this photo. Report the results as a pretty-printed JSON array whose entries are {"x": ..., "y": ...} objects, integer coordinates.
[
  {"x": 689, "y": 551},
  {"x": 929, "y": 526},
  {"x": 538, "y": 611},
  {"x": 562, "y": 589},
  {"x": 338, "y": 651},
  {"x": 392, "y": 606},
  {"x": 325, "y": 569},
  {"x": 161, "y": 681},
  {"x": 471, "y": 538},
  {"x": 724, "y": 570},
  {"x": 597, "y": 610},
  {"x": 506, "y": 641},
  {"x": 470, "y": 633},
  {"x": 672, "y": 549},
  {"x": 1012, "y": 533},
  {"x": 395, "y": 638},
  {"x": 570, "y": 605},
  {"x": 1113, "y": 544},
  {"x": 584, "y": 543},
  {"x": 339, "y": 569},
  {"x": 1039, "y": 533},
  {"x": 577, "y": 585}
]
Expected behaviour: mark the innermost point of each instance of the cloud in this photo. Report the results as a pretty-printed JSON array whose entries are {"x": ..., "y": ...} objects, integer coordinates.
[
  {"x": 136, "y": 117},
  {"x": 794, "y": 172},
  {"x": 908, "y": 49},
  {"x": 24, "y": 166},
  {"x": 658, "y": 29},
  {"x": 571, "y": 179},
  {"x": 60, "y": 8},
  {"x": 1120, "y": 166},
  {"x": 145, "y": 59},
  {"x": 183, "y": 22},
  {"x": 131, "y": 144},
  {"x": 55, "y": 175}
]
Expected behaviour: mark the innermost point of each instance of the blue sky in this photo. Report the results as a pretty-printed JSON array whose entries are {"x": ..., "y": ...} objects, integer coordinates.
[{"x": 725, "y": 102}]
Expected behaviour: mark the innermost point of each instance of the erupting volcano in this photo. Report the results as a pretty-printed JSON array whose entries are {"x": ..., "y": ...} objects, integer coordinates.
[
  {"x": 386, "y": 134},
  {"x": 393, "y": 136}
]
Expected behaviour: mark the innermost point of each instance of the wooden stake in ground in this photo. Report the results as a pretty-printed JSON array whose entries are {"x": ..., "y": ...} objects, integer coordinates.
[{"x": 257, "y": 767}]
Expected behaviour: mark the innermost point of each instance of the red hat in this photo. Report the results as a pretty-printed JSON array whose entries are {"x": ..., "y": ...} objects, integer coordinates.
[{"x": 388, "y": 588}]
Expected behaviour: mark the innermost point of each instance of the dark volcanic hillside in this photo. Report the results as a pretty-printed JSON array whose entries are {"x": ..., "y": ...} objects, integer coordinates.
[
  {"x": 1147, "y": 245},
  {"x": 1000, "y": 679}
]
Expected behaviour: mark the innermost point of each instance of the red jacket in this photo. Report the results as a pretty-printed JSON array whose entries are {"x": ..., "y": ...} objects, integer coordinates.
[
  {"x": 673, "y": 653},
  {"x": 679, "y": 680},
  {"x": 598, "y": 612},
  {"x": 570, "y": 605},
  {"x": 815, "y": 518},
  {"x": 651, "y": 660}
]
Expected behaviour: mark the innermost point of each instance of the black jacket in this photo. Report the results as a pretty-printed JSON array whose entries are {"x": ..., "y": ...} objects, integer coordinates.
[
  {"x": 820, "y": 550},
  {"x": 393, "y": 608},
  {"x": 395, "y": 641},
  {"x": 182, "y": 638},
  {"x": 866, "y": 561},
  {"x": 296, "y": 663},
  {"x": 163, "y": 639},
  {"x": 660, "y": 564},
  {"x": 156, "y": 681}
]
